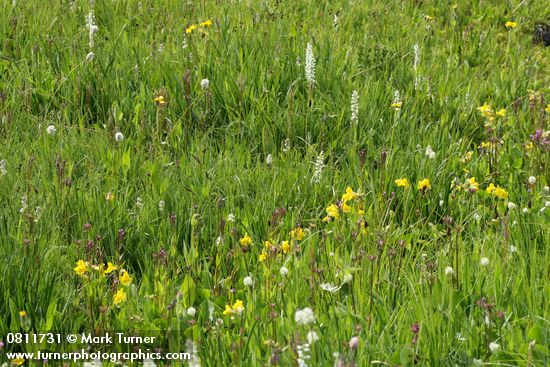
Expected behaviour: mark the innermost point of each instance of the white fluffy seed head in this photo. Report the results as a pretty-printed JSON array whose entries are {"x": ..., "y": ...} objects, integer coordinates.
[
  {"x": 51, "y": 129},
  {"x": 248, "y": 281},
  {"x": 304, "y": 316},
  {"x": 191, "y": 311}
]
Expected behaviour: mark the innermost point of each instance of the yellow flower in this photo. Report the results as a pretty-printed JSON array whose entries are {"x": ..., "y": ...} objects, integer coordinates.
[
  {"x": 267, "y": 244},
  {"x": 529, "y": 145},
  {"x": 285, "y": 247},
  {"x": 332, "y": 211},
  {"x": 160, "y": 100},
  {"x": 206, "y": 23},
  {"x": 228, "y": 310},
  {"x": 81, "y": 267},
  {"x": 297, "y": 233},
  {"x": 238, "y": 307},
  {"x": 490, "y": 188},
  {"x": 486, "y": 110},
  {"x": 472, "y": 185},
  {"x": 428, "y": 17},
  {"x": 510, "y": 24},
  {"x": 22, "y": 313},
  {"x": 402, "y": 182},
  {"x": 501, "y": 112},
  {"x": 246, "y": 240},
  {"x": 424, "y": 185},
  {"x": 125, "y": 278},
  {"x": 349, "y": 195},
  {"x": 396, "y": 105},
  {"x": 501, "y": 193},
  {"x": 110, "y": 196},
  {"x": 17, "y": 361},
  {"x": 262, "y": 256},
  {"x": 110, "y": 268},
  {"x": 547, "y": 109},
  {"x": 120, "y": 296},
  {"x": 346, "y": 208},
  {"x": 191, "y": 28}
]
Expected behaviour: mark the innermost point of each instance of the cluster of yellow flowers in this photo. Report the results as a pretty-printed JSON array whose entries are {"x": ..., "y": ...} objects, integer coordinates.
[
  {"x": 160, "y": 100},
  {"x": 194, "y": 27},
  {"x": 498, "y": 191},
  {"x": 510, "y": 24},
  {"x": 285, "y": 246},
  {"x": 490, "y": 114},
  {"x": 236, "y": 309},
  {"x": 333, "y": 210},
  {"x": 83, "y": 267},
  {"x": 422, "y": 185}
]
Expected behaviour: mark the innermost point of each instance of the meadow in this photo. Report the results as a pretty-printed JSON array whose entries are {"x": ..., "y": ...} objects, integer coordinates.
[{"x": 293, "y": 183}]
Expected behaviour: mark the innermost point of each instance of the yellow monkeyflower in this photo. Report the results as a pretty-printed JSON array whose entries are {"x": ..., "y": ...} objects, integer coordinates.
[
  {"x": 110, "y": 268},
  {"x": 81, "y": 267},
  {"x": 228, "y": 310},
  {"x": 346, "y": 208},
  {"x": 119, "y": 297},
  {"x": 402, "y": 182},
  {"x": 501, "y": 193},
  {"x": 238, "y": 307},
  {"x": 490, "y": 189},
  {"x": 125, "y": 278},
  {"x": 297, "y": 233},
  {"x": 501, "y": 112},
  {"x": 17, "y": 361},
  {"x": 511, "y": 24},
  {"x": 191, "y": 28},
  {"x": 486, "y": 110},
  {"x": 246, "y": 240},
  {"x": 22, "y": 313},
  {"x": 332, "y": 211},
  {"x": 206, "y": 23},
  {"x": 349, "y": 195},
  {"x": 424, "y": 185},
  {"x": 262, "y": 256},
  {"x": 472, "y": 185},
  {"x": 285, "y": 247},
  {"x": 160, "y": 100},
  {"x": 396, "y": 105}
]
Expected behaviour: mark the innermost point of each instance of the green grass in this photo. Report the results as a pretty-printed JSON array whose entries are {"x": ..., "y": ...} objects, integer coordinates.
[{"x": 204, "y": 154}]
